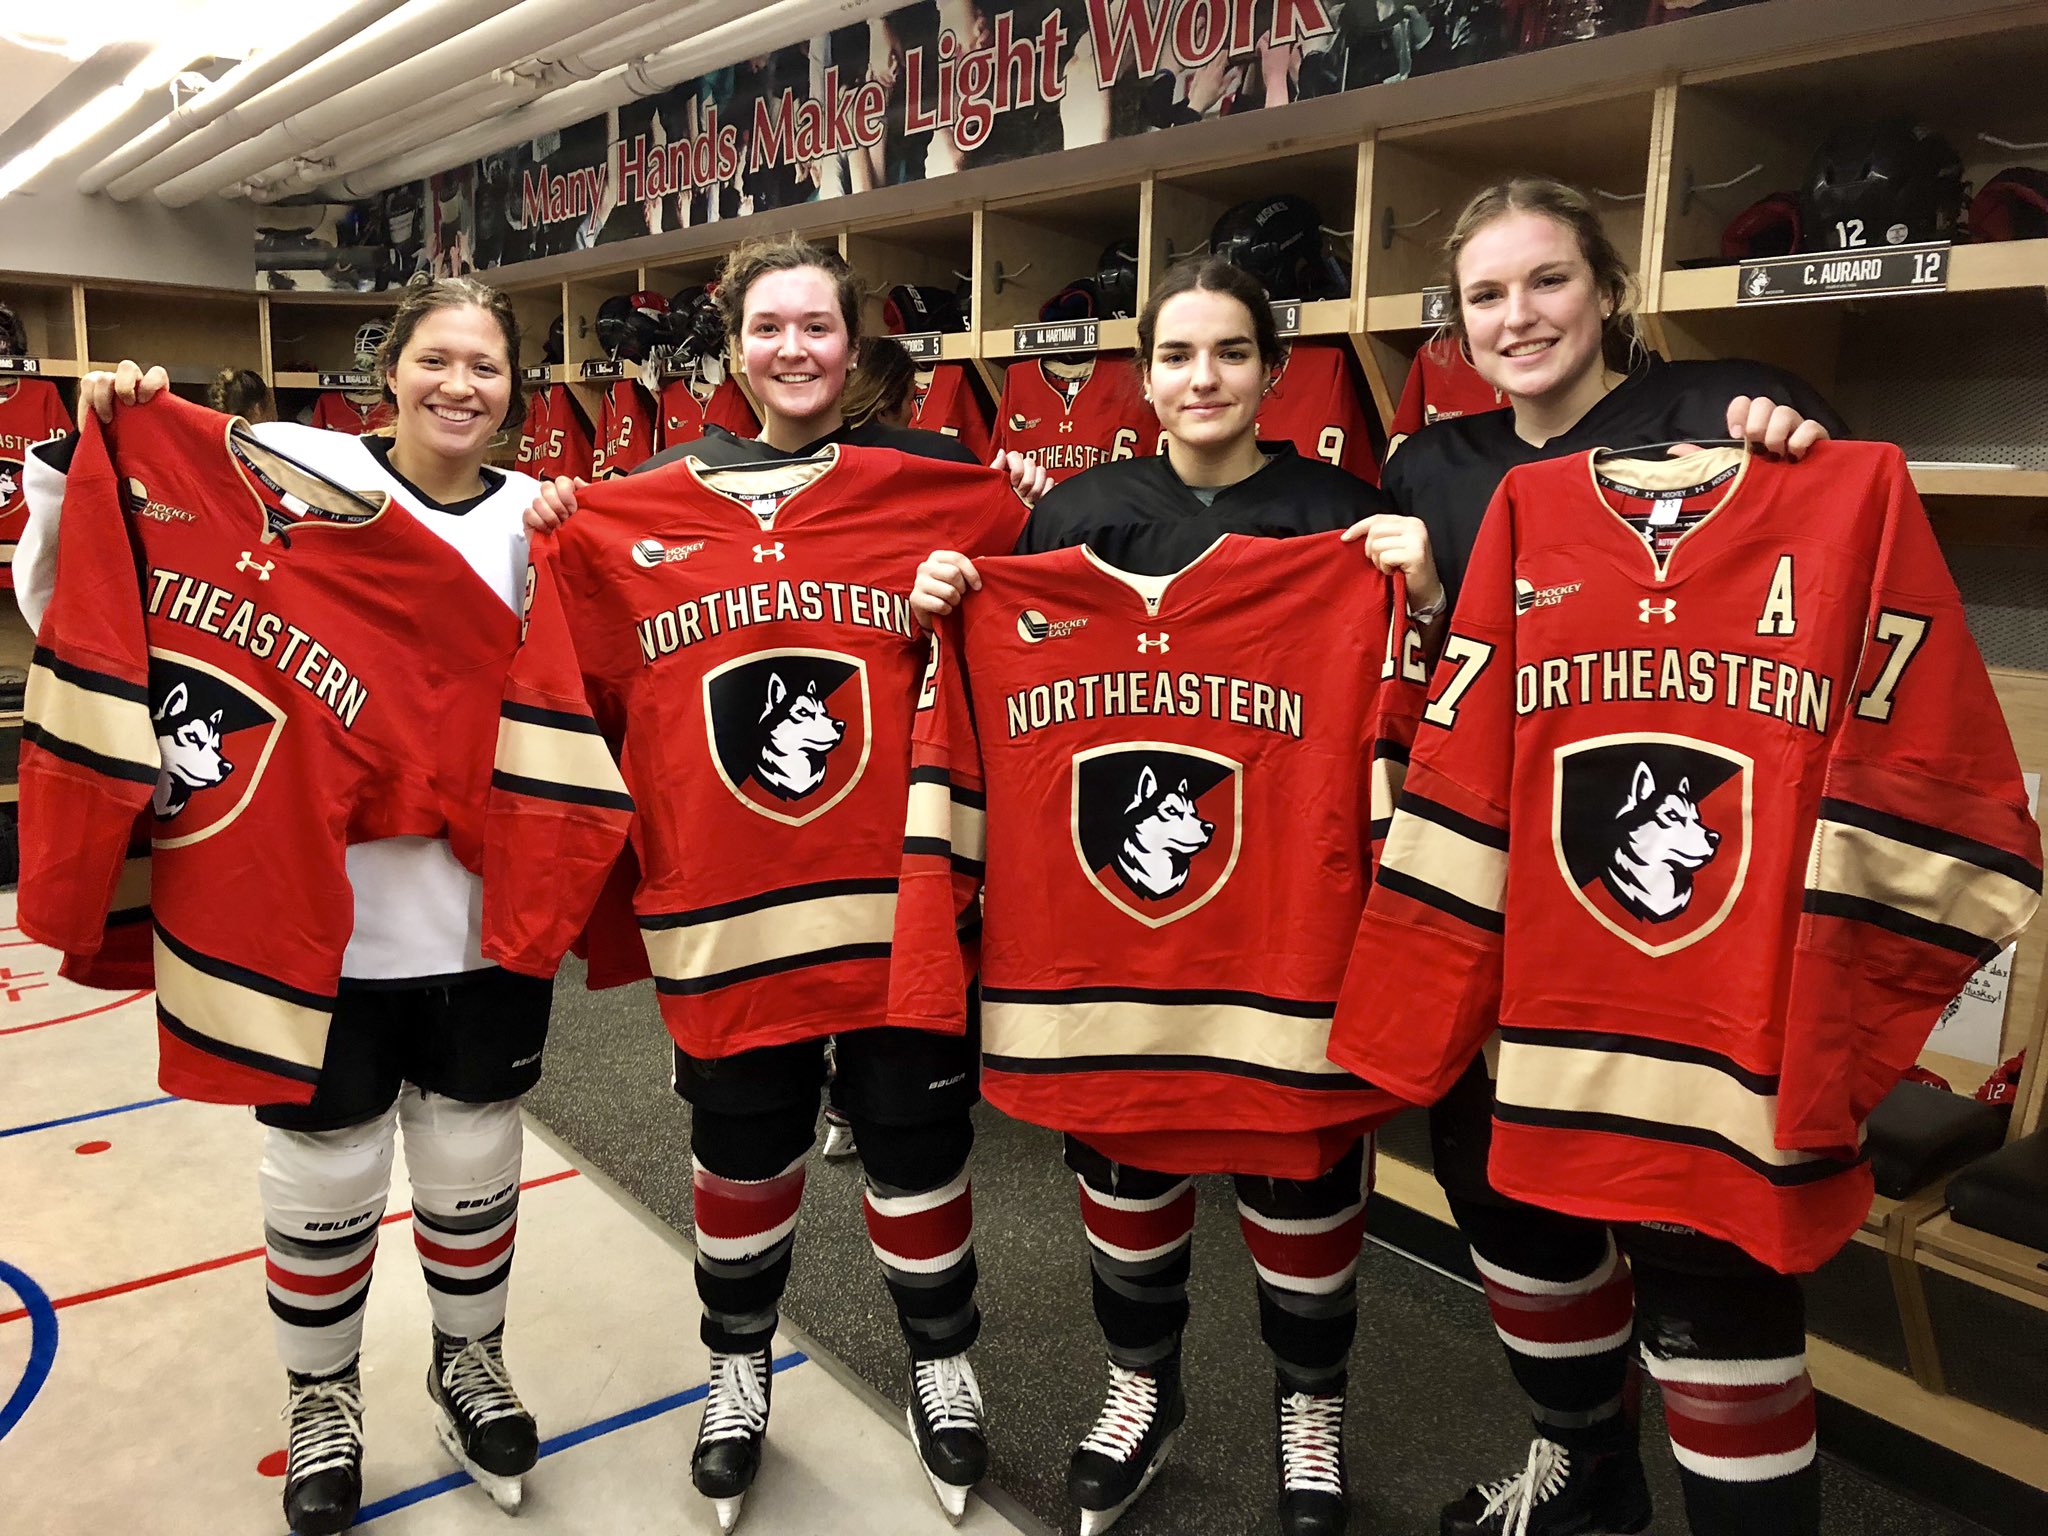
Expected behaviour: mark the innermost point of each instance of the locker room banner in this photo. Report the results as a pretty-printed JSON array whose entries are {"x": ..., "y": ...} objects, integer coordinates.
[{"x": 934, "y": 87}]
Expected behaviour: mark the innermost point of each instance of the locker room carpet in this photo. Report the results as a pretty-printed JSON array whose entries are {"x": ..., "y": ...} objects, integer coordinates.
[{"x": 1432, "y": 1408}]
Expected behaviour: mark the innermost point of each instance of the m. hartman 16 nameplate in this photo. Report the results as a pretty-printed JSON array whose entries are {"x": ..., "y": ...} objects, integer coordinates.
[
  {"x": 1060, "y": 336},
  {"x": 1891, "y": 269}
]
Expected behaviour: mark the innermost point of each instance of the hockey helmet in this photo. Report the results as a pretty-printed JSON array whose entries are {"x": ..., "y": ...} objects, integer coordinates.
[
  {"x": 1279, "y": 241},
  {"x": 647, "y": 299},
  {"x": 1079, "y": 300},
  {"x": 13, "y": 338},
  {"x": 611, "y": 323},
  {"x": 1116, "y": 275},
  {"x": 694, "y": 325},
  {"x": 644, "y": 331},
  {"x": 1767, "y": 227},
  {"x": 1889, "y": 183},
  {"x": 2012, "y": 206},
  {"x": 918, "y": 307},
  {"x": 552, "y": 351},
  {"x": 369, "y": 343}
]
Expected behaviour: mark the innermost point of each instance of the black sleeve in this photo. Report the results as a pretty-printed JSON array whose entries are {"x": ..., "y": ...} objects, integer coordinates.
[
  {"x": 57, "y": 452},
  {"x": 938, "y": 445}
]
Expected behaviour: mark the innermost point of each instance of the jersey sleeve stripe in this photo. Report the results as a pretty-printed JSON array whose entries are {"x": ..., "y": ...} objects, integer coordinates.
[
  {"x": 940, "y": 812},
  {"x": 1935, "y": 886},
  {"x": 71, "y": 752},
  {"x": 1764, "y": 1084},
  {"x": 222, "y": 1005},
  {"x": 1328, "y": 1080},
  {"x": 1635, "y": 1127},
  {"x": 1939, "y": 840},
  {"x": 1168, "y": 997},
  {"x": 1433, "y": 896},
  {"x": 547, "y": 755},
  {"x": 572, "y": 794},
  {"x": 1444, "y": 856},
  {"x": 780, "y": 897},
  {"x": 1456, "y": 821},
  {"x": 558, "y": 719},
  {"x": 237, "y": 1054},
  {"x": 1906, "y": 925},
  {"x": 931, "y": 773},
  {"x": 106, "y": 729},
  {"x": 87, "y": 677},
  {"x": 698, "y": 986},
  {"x": 1067, "y": 1034},
  {"x": 771, "y": 936}
]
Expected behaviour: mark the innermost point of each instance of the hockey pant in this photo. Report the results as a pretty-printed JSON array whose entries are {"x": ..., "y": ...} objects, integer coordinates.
[
  {"x": 1304, "y": 1237},
  {"x": 323, "y": 1204},
  {"x": 747, "y": 1186}
]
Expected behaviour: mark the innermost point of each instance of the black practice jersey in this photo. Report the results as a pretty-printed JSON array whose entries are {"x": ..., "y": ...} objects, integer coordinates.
[
  {"x": 721, "y": 449},
  {"x": 1446, "y": 473},
  {"x": 1138, "y": 515}
]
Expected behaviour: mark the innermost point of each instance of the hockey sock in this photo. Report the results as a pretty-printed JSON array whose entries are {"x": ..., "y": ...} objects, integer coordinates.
[
  {"x": 919, "y": 1206},
  {"x": 1304, "y": 1237},
  {"x": 1141, "y": 1230},
  {"x": 323, "y": 1196},
  {"x": 1563, "y": 1303},
  {"x": 463, "y": 1160},
  {"x": 746, "y": 1231}
]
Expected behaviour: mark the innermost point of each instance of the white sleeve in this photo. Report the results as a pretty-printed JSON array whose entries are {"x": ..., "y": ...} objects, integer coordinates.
[{"x": 35, "y": 556}]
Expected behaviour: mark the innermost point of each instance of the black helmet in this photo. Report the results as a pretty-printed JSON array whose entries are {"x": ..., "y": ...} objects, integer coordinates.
[
  {"x": 910, "y": 308},
  {"x": 1079, "y": 300},
  {"x": 13, "y": 338},
  {"x": 1891, "y": 183},
  {"x": 612, "y": 316},
  {"x": 552, "y": 352},
  {"x": 695, "y": 328},
  {"x": 1116, "y": 275},
  {"x": 645, "y": 330},
  {"x": 1279, "y": 240}
]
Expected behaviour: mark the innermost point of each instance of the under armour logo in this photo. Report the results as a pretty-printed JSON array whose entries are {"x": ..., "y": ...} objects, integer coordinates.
[
  {"x": 262, "y": 568},
  {"x": 1066, "y": 427},
  {"x": 1666, "y": 610},
  {"x": 1153, "y": 643},
  {"x": 767, "y": 552}
]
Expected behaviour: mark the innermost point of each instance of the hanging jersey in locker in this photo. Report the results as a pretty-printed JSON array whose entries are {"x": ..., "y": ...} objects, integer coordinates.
[
  {"x": 31, "y": 412},
  {"x": 1315, "y": 404},
  {"x": 1164, "y": 792},
  {"x": 556, "y": 437},
  {"x": 748, "y": 640},
  {"x": 243, "y": 650},
  {"x": 946, "y": 402},
  {"x": 334, "y": 411},
  {"x": 625, "y": 430},
  {"x": 1069, "y": 424},
  {"x": 1442, "y": 386},
  {"x": 1713, "y": 810}
]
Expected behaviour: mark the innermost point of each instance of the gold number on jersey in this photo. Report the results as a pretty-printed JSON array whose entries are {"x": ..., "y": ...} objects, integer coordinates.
[
  {"x": 1470, "y": 657},
  {"x": 1777, "y": 617},
  {"x": 928, "y": 690},
  {"x": 1903, "y": 632},
  {"x": 1124, "y": 445},
  {"x": 1330, "y": 446}
]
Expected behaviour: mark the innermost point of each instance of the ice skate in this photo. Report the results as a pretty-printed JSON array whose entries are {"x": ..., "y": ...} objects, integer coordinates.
[
  {"x": 838, "y": 1137},
  {"x": 479, "y": 1418},
  {"x": 729, "y": 1436},
  {"x": 323, "y": 1480},
  {"x": 1128, "y": 1445},
  {"x": 945, "y": 1419},
  {"x": 1309, "y": 1446},
  {"x": 1557, "y": 1493}
]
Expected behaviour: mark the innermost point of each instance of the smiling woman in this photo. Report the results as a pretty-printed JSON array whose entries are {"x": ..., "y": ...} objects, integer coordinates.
[{"x": 450, "y": 367}]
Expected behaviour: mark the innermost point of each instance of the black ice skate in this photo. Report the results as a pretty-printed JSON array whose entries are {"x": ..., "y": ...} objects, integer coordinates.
[
  {"x": 323, "y": 1479},
  {"x": 945, "y": 1422},
  {"x": 838, "y": 1136},
  {"x": 1128, "y": 1445},
  {"x": 480, "y": 1420},
  {"x": 735, "y": 1422},
  {"x": 1557, "y": 1493},
  {"x": 1309, "y": 1447}
]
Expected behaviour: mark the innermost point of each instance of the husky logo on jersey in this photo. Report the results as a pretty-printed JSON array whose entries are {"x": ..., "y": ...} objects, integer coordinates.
[
  {"x": 1652, "y": 834},
  {"x": 214, "y": 736},
  {"x": 789, "y": 730},
  {"x": 1156, "y": 826},
  {"x": 10, "y": 482}
]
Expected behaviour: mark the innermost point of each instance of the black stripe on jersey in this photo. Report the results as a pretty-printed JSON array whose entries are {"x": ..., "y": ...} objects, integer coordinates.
[
  {"x": 782, "y": 897},
  {"x": 966, "y": 866},
  {"x": 84, "y": 677},
  {"x": 1455, "y": 821},
  {"x": 930, "y": 847},
  {"x": 555, "y": 719},
  {"x": 1934, "y": 839},
  {"x": 1165, "y": 997},
  {"x": 85, "y": 757},
  {"x": 961, "y": 793},
  {"x": 318, "y": 1247},
  {"x": 1763, "y": 1083},
  {"x": 1061, "y": 1066},
  {"x": 695, "y": 986},
  {"x": 1379, "y": 827},
  {"x": 310, "y": 1317},
  {"x": 1435, "y": 896},
  {"x": 242, "y": 976},
  {"x": 1789, "y": 1176},
  {"x": 1860, "y": 909},
  {"x": 468, "y": 1223},
  {"x": 550, "y": 789},
  {"x": 468, "y": 1285},
  {"x": 239, "y": 1056},
  {"x": 1392, "y": 751}
]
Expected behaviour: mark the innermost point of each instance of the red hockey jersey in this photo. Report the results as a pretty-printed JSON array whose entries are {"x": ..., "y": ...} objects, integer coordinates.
[
  {"x": 625, "y": 430},
  {"x": 275, "y": 670},
  {"x": 1178, "y": 778},
  {"x": 31, "y": 412},
  {"x": 1441, "y": 385},
  {"x": 729, "y": 408},
  {"x": 1315, "y": 405},
  {"x": 946, "y": 402},
  {"x": 1713, "y": 811},
  {"x": 681, "y": 413},
  {"x": 1069, "y": 425},
  {"x": 555, "y": 439},
  {"x": 334, "y": 411},
  {"x": 747, "y": 636}
]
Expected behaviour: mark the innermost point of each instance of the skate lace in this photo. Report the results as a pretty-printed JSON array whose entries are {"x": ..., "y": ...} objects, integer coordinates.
[
  {"x": 326, "y": 1419},
  {"x": 948, "y": 1393},
  {"x": 475, "y": 1380},
  {"x": 1513, "y": 1500},
  {"x": 1127, "y": 1412},
  {"x": 737, "y": 1404},
  {"x": 1312, "y": 1443}
]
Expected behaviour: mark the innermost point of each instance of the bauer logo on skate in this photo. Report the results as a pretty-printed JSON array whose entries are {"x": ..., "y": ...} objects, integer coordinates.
[
  {"x": 789, "y": 730},
  {"x": 1156, "y": 826}
]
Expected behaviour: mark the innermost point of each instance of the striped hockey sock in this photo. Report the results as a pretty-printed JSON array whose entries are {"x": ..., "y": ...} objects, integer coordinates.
[
  {"x": 1568, "y": 1345},
  {"x": 1743, "y": 1432},
  {"x": 1139, "y": 1248},
  {"x": 746, "y": 1231},
  {"x": 925, "y": 1240},
  {"x": 467, "y": 1257},
  {"x": 1304, "y": 1237}
]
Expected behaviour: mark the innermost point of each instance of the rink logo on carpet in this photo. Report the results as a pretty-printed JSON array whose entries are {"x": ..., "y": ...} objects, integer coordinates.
[{"x": 1156, "y": 826}]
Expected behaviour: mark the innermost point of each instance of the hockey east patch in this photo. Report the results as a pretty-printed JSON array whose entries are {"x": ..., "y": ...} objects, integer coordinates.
[
  {"x": 1156, "y": 827},
  {"x": 789, "y": 730},
  {"x": 1652, "y": 834},
  {"x": 215, "y": 735}
]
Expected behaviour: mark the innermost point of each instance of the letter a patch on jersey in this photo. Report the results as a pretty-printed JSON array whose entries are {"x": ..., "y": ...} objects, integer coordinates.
[
  {"x": 1156, "y": 826},
  {"x": 789, "y": 730},
  {"x": 215, "y": 736},
  {"x": 1652, "y": 834}
]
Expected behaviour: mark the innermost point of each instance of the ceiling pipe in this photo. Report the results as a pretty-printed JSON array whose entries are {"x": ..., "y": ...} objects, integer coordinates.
[
  {"x": 350, "y": 48},
  {"x": 763, "y": 32}
]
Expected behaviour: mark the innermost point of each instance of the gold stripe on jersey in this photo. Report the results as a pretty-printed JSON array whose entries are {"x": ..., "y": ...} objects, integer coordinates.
[
  {"x": 937, "y": 814},
  {"x": 1934, "y": 886},
  {"x": 1388, "y": 773},
  {"x": 1049, "y": 1029},
  {"x": 237, "y": 1015},
  {"x": 570, "y": 756},
  {"x": 770, "y": 938},
  {"x": 1431, "y": 853},
  {"x": 92, "y": 714},
  {"x": 131, "y": 891}
]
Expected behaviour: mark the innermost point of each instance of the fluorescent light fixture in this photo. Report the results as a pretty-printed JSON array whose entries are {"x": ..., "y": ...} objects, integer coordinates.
[{"x": 66, "y": 136}]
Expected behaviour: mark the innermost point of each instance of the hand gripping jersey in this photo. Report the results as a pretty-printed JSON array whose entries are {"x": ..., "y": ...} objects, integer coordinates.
[
  {"x": 625, "y": 430},
  {"x": 264, "y": 670},
  {"x": 1713, "y": 809},
  {"x": 555, "y": 439},
  {"x": 748, "y": 635},
  {"x": 1178, "y": 779},
  {"x": 1442, "y": 386},
  {"x": 31, "y": 412},
  {"x": 334, "y": 411},
  {"x": 1069, "y": 425},
  {"x": 1315, "y": 405},
  {"x": 947, "y": 403}
]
